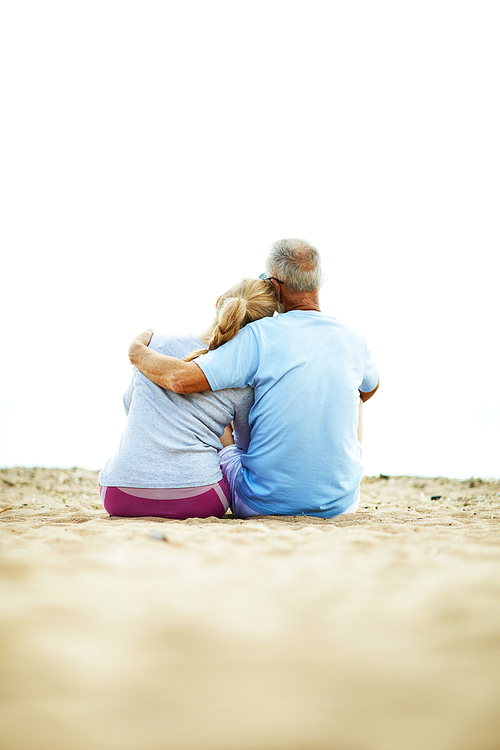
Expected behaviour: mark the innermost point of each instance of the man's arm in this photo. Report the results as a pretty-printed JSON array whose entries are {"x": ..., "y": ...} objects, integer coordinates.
[
  {"x": 168, "y": 372},
  {"x": 365, "y": 396}
]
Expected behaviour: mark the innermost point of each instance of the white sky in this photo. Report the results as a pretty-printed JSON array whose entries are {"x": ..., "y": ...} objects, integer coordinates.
[{"x": 151, "y": 153}]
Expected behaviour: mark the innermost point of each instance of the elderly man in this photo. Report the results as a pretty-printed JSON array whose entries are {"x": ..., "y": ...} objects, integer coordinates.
[{"x": 308, "y": 372}]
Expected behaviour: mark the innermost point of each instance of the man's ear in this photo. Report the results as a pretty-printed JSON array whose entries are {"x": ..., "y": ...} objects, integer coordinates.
[{"x": 277, "y": 289}]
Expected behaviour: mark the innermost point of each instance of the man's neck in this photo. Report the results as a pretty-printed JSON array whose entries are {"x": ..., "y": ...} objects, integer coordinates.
[{"x": 300, "y": 301}]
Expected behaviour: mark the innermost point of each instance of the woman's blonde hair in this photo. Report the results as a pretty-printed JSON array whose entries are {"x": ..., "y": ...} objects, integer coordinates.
[{"x": 249, "y": 300}]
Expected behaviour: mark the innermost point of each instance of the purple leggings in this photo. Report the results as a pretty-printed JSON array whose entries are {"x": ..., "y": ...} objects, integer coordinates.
[{"x": 183, "y": 502}]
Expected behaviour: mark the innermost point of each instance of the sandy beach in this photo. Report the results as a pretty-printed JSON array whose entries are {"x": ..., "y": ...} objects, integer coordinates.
[{"x": 374, "y": 631}]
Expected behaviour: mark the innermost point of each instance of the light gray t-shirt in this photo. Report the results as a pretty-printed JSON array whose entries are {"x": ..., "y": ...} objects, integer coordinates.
[{"x": 171, "y": 440}]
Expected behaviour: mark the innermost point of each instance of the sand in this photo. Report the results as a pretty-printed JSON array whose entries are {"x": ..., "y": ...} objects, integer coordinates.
[{"x": 375, "y": 631}]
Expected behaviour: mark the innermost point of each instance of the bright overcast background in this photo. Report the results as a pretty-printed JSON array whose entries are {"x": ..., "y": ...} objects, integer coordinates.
[{"x": 153, "y": 151}]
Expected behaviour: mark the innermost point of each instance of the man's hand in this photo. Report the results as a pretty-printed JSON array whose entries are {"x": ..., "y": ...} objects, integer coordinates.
[
  {"x": 142, "y": 339},
  {"x": 168, "y": 372}
]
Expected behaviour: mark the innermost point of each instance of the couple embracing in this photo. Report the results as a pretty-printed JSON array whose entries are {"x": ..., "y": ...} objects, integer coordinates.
[{"x": 260, "y": 413}]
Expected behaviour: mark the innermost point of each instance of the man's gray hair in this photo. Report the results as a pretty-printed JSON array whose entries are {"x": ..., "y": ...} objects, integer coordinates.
[{"x": 297, "y": 263}]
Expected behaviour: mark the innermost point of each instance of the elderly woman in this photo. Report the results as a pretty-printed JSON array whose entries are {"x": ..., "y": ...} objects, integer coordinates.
[{"x": 167, "y": 463}]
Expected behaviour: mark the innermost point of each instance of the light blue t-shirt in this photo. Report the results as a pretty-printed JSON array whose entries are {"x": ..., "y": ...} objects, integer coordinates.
[{"x": 306, "y": 370}]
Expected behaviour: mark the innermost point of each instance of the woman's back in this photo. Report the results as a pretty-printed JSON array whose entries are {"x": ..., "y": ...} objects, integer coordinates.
[{"x": 171, "y": 440}]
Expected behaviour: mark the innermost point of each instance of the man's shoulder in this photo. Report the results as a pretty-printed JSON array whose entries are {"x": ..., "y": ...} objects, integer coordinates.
[
  {"x": 263, "y": 324},
  {"x": 341, "y": 325},
  {"x": 311, "y": 323},
  {"x": 264, "y": 330}
]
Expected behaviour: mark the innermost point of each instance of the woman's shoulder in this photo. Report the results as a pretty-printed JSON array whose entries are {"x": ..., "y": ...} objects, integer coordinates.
[{"x": 175, "y": 346}]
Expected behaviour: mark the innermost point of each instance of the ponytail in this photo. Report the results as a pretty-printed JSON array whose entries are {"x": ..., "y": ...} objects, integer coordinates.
[{"x": 249, "y": 300}]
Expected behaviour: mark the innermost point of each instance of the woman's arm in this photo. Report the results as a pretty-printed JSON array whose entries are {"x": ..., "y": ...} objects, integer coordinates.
[
  {"x": 227, "y": 436},
  {"x": 168, "y": 372},
  {"x": 240, "y": 421}
]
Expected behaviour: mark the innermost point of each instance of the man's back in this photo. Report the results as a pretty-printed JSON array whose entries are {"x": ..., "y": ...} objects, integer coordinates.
[{"x": 306, "y": 370}]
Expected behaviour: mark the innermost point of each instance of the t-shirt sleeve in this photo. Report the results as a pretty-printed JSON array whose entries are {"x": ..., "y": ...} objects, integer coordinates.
[
  {"x": 370, "y": 378},
  {"x": 232, "y": 365}
]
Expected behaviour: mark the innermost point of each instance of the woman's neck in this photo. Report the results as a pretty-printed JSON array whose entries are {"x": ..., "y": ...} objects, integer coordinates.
[{"x": 206, "y": 335}]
